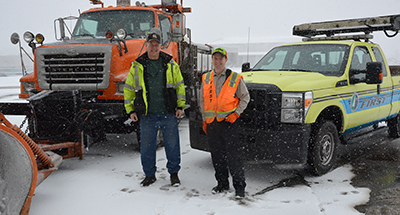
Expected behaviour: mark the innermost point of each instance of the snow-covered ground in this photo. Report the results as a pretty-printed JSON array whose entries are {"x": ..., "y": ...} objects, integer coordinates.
[{"x": 107, "y": 181}]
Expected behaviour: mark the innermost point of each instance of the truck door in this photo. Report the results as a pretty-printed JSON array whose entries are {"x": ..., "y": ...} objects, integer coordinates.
[
  {"x": 386, "y": 86},
  {"x": 364, "y": 105}
]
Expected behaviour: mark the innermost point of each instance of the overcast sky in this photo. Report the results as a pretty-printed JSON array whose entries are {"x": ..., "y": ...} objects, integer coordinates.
[{"x": 210, "y": 20}]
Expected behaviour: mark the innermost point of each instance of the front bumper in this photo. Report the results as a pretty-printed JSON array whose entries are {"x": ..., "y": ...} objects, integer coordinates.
[
  {"x": 61, "y": 115},
  {"x": 285, "y": 144}
]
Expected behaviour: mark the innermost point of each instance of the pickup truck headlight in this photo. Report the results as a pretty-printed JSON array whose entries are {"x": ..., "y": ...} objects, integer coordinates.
[{"x": 295, "y": 106}]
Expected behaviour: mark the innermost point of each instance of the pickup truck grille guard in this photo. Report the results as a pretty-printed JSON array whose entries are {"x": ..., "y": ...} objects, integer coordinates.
[
  {"x": 59, "y": 68},
  {"x": 264, "y": 109},
  {"x": 264, "y": 137}
]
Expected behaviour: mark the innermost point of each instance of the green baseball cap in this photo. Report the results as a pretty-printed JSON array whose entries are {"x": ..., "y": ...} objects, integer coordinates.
[{"x": 221, "y": 51}]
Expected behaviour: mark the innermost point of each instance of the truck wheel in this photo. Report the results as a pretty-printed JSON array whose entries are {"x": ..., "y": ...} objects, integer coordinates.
[
  {"x": 394, "y": 126},
  {"x": 323, "y": 150}
]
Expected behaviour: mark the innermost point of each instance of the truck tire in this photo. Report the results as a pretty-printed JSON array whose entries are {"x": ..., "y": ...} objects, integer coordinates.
[
  {"x": 394, "y": 126},
  {"x": 323, "y": 148}
]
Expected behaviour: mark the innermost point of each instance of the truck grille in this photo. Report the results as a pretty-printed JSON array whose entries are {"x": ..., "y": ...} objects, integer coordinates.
[
  {"x": 87, "y": 69},
  {"x": 83, "y": 68},
  {"x": 264, "y": 109}
]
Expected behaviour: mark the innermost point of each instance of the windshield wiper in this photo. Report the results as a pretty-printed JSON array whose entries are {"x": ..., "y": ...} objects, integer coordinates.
[
  {"x": 133, "y": 35},
  {"x": 297, "y": 70},
  {"x": 85, "y": 35},
  {"x": 260, "y": 70}
]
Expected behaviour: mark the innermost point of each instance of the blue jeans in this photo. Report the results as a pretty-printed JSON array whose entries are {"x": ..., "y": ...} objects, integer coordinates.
[{"x": 149, "y": 126}]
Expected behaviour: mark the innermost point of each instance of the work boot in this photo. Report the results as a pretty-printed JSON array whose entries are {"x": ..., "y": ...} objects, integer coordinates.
[
  {"x": 147, "y": 181},
  {"x": 175, "y": 182},
  {"x": 239, "y": 194},
  {"x": 219, "y": 189}
]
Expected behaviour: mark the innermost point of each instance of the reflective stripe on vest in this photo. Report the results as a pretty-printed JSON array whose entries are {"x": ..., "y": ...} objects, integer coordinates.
[
  {"x": 171, "y": 85},
  {"x": 226, "y": 102},
  {"x": 137, "y": 83}
]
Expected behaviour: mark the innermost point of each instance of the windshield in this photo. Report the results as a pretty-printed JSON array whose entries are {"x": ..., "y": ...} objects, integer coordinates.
[
  {"x": 327, "y": 59},
  {"x": 95, "y": 24}
]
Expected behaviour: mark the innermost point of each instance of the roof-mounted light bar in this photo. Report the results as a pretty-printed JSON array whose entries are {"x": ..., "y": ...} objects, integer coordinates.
[{"x": 365, "y": 25}]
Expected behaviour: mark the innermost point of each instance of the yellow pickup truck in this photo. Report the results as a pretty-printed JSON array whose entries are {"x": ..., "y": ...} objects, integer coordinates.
[{"x": 307, "y": 97}]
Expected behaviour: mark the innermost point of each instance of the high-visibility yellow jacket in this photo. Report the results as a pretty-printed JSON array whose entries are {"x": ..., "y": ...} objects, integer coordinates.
[
  {"x": 226, "y": 102},
  {"x": 135, "y": 93}
]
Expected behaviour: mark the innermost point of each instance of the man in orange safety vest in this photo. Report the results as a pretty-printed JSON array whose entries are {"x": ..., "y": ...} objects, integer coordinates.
[{"x": 223, "y": 97}]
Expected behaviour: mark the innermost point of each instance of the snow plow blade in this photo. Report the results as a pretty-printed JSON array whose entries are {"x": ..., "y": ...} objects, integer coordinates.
[{"x": 23, "y": 166}]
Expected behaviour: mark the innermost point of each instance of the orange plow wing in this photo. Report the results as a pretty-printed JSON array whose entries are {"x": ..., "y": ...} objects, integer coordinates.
[{"x": 19, "y": 173}]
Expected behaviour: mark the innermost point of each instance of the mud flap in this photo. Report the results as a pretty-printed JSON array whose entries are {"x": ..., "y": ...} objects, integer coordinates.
[{"x": 198, "y": 139}]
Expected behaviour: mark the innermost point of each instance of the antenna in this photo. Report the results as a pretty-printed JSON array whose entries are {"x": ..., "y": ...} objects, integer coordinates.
[{"x": 248, "y": 44}]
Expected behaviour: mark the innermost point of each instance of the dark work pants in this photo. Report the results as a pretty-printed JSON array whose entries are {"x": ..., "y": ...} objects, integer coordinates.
[{"x": 226, "y": 153}]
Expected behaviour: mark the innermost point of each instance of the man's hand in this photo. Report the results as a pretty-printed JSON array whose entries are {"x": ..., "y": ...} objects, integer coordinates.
[
  {"x": 134, "y": 117},
  {"x": 178, "y": 113},
  {"x": 232, "y": 117}
]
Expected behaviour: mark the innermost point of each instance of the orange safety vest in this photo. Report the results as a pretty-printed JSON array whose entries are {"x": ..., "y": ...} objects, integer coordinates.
[{"x": 226, "y": 102}]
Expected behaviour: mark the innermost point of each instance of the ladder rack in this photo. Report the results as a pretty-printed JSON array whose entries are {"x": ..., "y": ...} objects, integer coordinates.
[{"x": 365, "y": 25}]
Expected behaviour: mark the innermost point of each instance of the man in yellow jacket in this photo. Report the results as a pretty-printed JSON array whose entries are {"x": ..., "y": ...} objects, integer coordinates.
[
  {"x": 223, "y": 97},
  {"x": 155, "y": 93}
]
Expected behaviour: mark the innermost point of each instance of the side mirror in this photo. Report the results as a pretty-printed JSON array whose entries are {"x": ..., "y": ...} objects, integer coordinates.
[
  {"x": 245, "y": 67},
  {"x": 61, "y": 28},
  {"x": 374, "y": 73},
  {"x": 178, "y": 27}
]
